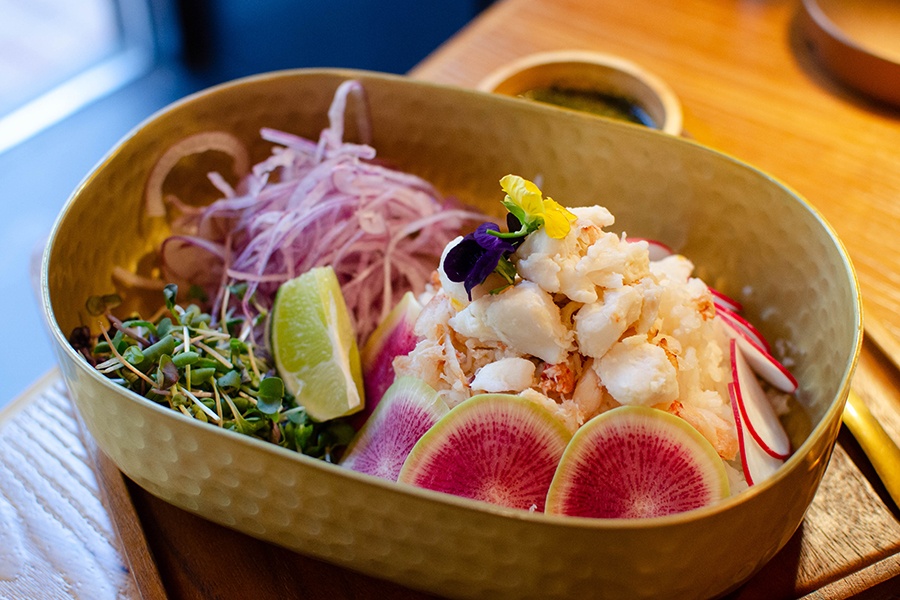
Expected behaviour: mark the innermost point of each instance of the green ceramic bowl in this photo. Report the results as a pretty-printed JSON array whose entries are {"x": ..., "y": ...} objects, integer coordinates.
[{"x": 749, "y": 236}]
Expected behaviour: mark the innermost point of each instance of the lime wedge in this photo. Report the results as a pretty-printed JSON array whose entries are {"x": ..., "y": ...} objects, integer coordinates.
[{"x": 315, "y": 346}]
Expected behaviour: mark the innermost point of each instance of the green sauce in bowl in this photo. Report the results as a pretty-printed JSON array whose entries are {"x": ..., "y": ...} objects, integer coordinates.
[{"x": 592, "y": 101}]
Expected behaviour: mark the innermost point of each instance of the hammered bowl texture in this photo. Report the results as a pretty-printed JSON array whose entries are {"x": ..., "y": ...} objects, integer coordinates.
[{"x": 748, "y": 235}]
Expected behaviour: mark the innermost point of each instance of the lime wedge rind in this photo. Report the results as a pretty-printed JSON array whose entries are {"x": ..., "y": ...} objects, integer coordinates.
[{"x": 314, "y": 345}]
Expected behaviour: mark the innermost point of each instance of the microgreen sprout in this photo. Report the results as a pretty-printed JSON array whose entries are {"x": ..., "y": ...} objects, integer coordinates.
[{"x": 205, "y": 370}]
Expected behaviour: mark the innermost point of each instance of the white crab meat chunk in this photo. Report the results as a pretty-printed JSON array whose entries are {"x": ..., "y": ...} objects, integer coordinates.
[
  {"x": 523, "y": 317},
  {"x": 512, "y": 374},
  {"x": 432, "y": 320},
  {"x": 636, "y": 372},
  {"x": 551, "y": 263},
  {"x": 612, "y": 262},
  {"x": 600, "y": 325},
  {"x": 651, "y": 296},
  {"x": 558, "y": 265},
  {"x": 596, "y": 216},
  {"x": 674, "y": 268},
  {"x": 471, "y": 321},
  {"x": 685, "y": 309}
]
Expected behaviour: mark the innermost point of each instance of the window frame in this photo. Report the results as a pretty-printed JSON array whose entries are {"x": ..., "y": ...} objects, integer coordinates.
[{"x": 134, "y": 56}]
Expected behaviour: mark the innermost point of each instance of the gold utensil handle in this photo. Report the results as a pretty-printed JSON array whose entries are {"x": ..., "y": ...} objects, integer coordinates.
[{"x": 883, "y": 453}]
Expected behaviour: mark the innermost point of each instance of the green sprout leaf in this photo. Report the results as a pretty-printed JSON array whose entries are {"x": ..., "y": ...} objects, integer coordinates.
[
  {"x": 183, "y": 359},
  {"x": 98, "y": 305},
  {"x": 271, "y": 393},
  {"x": 164, "y": 327},
  {"x": 133, "y": 355},
  {"x": 229, "y": 381},
  {"x": 170, "y": 293},
  {"x": 167, "y": 373},
  {"x": 95, "y": 306}
]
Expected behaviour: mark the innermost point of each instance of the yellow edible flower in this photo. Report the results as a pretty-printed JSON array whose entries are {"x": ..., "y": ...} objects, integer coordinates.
[
  {"x": 527, "y": 197},
  {"x": 557, "y": 219}
]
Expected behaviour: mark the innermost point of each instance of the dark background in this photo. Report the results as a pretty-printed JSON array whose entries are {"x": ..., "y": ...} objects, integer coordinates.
[{"x": 195, "y": 44}]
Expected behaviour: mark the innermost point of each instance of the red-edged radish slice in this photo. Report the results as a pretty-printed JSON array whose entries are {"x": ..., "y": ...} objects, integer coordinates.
[
  {"x": 756, "y": 409},
  {"x": 742, "y": 323},
  {"x": 757, "y": 464},
  {"x": 763, "y": 364},
  {"x": 726, "y": 302},
  {"x": 658, "y": 250}
]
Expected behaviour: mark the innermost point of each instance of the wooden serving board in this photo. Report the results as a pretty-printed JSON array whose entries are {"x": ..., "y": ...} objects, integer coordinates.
[{"x": 848, "y": 545}]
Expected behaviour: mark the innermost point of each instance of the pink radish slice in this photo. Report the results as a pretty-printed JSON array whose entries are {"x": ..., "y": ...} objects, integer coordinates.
[
  {"x": 408, "y": 409},
  {"x": 496, "y": 448},
  {"x": 763, "y": 364},
  {"x": 636, "y": 462},
  {"x": 658, "y": 250},
  {"x": 393, "y": 337},
  {"x": 726, "y": 302},
  {"x": 757, "y": 463},
  {"x": 755, "y": 408},
  {"x": 741, "y": 323}
]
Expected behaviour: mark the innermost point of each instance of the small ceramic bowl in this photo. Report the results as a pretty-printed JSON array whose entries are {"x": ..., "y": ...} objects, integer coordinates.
[
  {"x": 748, "y": 235},
  {"x": 858, "y": 42},
  {"x": 600, "y": 83}
]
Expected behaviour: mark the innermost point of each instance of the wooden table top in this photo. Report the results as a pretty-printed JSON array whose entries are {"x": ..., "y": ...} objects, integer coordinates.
[{"x": 749, "y": 87}]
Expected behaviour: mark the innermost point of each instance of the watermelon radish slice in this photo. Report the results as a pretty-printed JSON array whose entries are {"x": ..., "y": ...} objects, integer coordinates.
[
  {"x": 636, "y": 462},
  {"x": 723, "y": 301},
  {"x": 755, "y": 408},
  {"x": 757, "y": 463},
  {"x": 496, "y": 448},
  {"x": 763, "y": 364},
  {"x": 393, "y": 337},
  {"x": 408, "y": 409},
  {"x": 658, "y": 250},
  {"x": 739, "y": 322}
]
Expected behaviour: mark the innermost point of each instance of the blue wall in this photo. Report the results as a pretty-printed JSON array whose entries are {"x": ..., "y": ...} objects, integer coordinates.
[{"x": 224, "y": 39}]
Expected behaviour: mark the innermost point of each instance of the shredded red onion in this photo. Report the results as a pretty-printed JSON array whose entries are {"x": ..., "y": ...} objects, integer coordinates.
[
  {"x": 316, "y": 203},
  {"x": 193, "y": 144}
]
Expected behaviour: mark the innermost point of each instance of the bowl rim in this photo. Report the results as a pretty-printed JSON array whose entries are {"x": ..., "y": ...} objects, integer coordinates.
[{"x": 830, "y": 415}]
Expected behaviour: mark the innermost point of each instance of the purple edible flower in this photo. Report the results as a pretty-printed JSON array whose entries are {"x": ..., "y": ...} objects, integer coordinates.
[{"x": 476, "y": 256}]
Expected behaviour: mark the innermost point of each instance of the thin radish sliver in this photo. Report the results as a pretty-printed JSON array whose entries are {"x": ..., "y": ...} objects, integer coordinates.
[
  {"x": 757, "y": 464},
  {"x": 748, "y": 328},
  {"x": 723, "y": 301},
  {"x": 763, "y": 364},
  {"x": 756, "y": 409}
]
